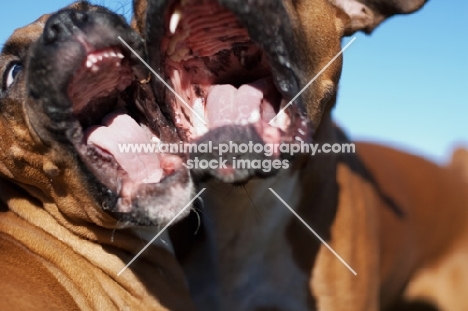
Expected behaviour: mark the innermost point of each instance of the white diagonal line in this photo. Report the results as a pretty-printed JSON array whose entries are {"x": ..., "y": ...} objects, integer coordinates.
[
  {"x": 160, "y": 232},
  {"x": 162, "y": 80},
  {"x": 312, "y": 230},
  {"x": 313, "y": 79}
]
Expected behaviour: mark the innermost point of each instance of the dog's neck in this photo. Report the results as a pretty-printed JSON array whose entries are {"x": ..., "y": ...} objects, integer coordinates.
[{"x": 248, "y": 224}]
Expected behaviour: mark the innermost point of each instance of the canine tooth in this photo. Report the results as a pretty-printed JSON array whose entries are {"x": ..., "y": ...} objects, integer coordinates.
[
  {"x": 89, "y": 64},
  {"x": 106, "y": 54},
  {"x": 201, "y": 130},
  {"x": 254, "y": 117},
  {"x": 112, "y": 53},
  {"x": 200, "y": 127},
  {"x": 120, "y": 55},
  {"x": 175, "y": 19},
  {"x": 283, "y": 121},
  {"x": 92, "y": 58},
  {"x": 146, "y": 81}
]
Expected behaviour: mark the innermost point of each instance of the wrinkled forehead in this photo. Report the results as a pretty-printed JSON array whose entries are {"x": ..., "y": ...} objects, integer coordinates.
[{"x": 24, "y": 36}]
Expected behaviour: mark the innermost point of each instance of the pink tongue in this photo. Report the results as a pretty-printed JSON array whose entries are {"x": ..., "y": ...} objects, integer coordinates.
[
  {"x": 120, "y": 128},
  {"x": 227, "y": 105}
]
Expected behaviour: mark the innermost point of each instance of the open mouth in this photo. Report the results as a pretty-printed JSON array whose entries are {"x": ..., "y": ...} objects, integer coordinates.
[
  {"x": 113, "y": 103},
  {"x": 232, "y": 82}
]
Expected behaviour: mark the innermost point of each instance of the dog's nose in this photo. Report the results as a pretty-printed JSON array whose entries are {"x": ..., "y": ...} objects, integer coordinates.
[{"x": 62, "y": 25}]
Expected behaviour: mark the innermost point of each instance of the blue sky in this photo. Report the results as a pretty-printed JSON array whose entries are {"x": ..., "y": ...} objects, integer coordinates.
[{"x": 404, "y": 85}]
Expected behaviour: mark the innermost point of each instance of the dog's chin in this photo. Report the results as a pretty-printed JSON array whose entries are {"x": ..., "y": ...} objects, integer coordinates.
[{"x": 223, "y": 62}]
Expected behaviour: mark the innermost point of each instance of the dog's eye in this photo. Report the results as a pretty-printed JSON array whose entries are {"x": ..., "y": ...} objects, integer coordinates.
[{"x": 11, "y": 74}]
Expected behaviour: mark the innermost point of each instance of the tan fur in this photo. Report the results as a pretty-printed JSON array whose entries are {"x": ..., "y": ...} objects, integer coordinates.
[{"x": 432, "y": 232}]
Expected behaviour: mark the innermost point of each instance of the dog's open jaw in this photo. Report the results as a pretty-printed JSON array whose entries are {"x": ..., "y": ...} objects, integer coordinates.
[
  {"x": 108, "y": 120},
  {"x": 228, "y": 78},
  {"x": 215, "y": 67},
  {"x": 108, "y": 104}
]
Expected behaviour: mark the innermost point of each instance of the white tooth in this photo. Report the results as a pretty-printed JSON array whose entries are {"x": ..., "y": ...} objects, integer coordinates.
[
  {"x": 175, "y": 18},
  {"x": 254, "y": 117},
  {"x": 201, "y": 130},
  {"x": 105, "y": 54},
  {"x": 89, "y": 64},
  {"x": 283, "y": 121},
  {"x": 100, "y": 57},
  {"x": 95, "y": 68},
  {"x": 120, "y": 55},
  {"x": 112, "y": 53},
  {"x": 92, "y": 58},
  {"x": 200, "y": 127},
  {"x": 117, "y": 64},
  {"x": 244, "y": 122}
]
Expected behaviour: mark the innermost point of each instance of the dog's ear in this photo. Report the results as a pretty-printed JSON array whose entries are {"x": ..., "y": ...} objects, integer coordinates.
[{"x": 366, "y": 15}]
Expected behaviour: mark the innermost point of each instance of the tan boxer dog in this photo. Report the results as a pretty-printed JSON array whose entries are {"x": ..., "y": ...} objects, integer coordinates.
[
  {"x": 71, "y": 204},
  {"x": 394, "y": 218}
]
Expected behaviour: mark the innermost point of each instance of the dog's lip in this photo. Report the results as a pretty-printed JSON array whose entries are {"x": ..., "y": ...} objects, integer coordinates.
[
  {"x": 119, "y": 44},
  {"x": 128, "y": 201}
]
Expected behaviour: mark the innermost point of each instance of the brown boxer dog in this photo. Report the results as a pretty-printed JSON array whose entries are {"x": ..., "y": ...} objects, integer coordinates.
[
  {"x": 71, "y": 204},
  {"x": 397, "y": 220}
]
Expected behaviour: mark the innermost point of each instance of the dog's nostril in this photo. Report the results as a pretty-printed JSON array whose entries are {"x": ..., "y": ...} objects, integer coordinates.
[
  {"x": 79, "y": 17},
  {"x": 51, "y": 33}
]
